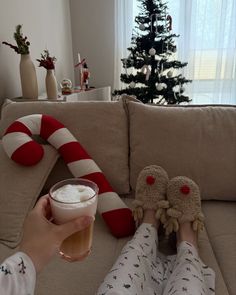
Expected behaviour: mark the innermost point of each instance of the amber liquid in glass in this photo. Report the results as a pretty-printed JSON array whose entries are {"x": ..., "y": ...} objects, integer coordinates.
[{"x": 77, "y": 245}]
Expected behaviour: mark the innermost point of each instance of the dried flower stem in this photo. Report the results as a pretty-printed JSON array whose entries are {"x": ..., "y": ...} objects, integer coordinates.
[{"x": 21, "y": 41}]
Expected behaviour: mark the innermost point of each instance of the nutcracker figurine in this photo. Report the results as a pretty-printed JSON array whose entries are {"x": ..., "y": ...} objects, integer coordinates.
[{"x": 86, "y": 76}]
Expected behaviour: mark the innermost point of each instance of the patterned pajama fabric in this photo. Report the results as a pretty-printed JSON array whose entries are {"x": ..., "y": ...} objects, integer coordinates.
[
  {"x": 141, "y": 269},
  {"x": 17, "y": 275}
]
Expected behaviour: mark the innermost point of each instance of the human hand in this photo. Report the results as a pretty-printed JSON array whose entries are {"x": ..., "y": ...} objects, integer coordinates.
[{"x": 41, "y": 238}]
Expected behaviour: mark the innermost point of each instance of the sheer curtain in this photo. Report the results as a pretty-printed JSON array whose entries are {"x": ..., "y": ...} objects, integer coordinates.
[
  {"x": 123, "y": 33},
  {"x": 207, "y": 42}
]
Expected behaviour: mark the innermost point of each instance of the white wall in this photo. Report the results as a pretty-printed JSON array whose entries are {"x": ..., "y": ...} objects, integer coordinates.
[
  {"x": 92, "y": 23},
  {"x": 46, "y": 23}
]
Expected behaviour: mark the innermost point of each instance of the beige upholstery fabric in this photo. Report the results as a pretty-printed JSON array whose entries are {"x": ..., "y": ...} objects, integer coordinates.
[
  {"x": 20, "y": 187},
  {"x": 206, "y": 253},
  {"x": 198, "y": 142},
  {"x": 221, "y": 228},
  {"x": 101, "y": 127}
]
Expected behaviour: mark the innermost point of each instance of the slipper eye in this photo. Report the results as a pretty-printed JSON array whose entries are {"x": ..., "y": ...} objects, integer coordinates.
[
  {"x": 185, "y": 190},
  {"x": 150, "y": 180}
]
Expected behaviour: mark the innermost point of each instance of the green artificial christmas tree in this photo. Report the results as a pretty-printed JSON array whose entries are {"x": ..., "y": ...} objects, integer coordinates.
[{"x": 155, "y": 77}]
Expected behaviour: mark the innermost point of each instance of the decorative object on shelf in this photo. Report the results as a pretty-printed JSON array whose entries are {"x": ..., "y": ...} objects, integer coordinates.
[
  {"x": 84, "y": 73},
  {"x": 48, "y": 62},
  {"x": 29, "y": 84},
  {"x": 51, "y": 85},
  {"x": 86, "y": 76},
  {"x": 79, "y": 65},
  {"x": 66, "y": 86}
]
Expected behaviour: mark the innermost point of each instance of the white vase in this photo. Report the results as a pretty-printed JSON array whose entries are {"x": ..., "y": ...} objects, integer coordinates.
[
  {"x": 51, "y": 85},
  {"x": 29, "y": 84}
]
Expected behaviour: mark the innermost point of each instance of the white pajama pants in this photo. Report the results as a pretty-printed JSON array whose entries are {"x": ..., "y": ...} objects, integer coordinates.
[{"x": 141, "y": 269}]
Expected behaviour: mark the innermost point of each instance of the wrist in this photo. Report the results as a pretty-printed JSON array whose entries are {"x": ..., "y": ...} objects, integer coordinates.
[
  {"x": 28, "y": 262},
  {"x": 31, "y": 257}
]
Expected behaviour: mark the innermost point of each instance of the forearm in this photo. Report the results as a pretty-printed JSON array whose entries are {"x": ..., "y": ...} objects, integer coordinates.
[{"x": 17, "y": 275}]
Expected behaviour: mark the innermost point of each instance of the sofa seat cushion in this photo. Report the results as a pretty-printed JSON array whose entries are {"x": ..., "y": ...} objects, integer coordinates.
[
  {"x": 101, "y": 128},
  {"x": 221, "y": 229},
  {"x": 85, "y": 277},
  {"x": 194, "y": 141}
]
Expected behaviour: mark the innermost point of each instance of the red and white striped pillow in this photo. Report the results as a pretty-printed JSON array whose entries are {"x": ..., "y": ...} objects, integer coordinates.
[{"x": 21, "y": 148}]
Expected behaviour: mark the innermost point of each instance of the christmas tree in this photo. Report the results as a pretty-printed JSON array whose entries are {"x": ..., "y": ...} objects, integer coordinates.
[{"x": 155, "y": 77}]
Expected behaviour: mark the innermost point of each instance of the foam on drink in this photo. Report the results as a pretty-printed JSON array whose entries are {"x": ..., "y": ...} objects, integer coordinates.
[
  {"x": 71, "y": 201},
  {"x": 72, "y": 193}
]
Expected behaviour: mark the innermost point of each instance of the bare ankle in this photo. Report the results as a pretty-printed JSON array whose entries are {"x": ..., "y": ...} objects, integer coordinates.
[
  {"x": 187, "y": 234},
  {"x": 149, "y": 217}
]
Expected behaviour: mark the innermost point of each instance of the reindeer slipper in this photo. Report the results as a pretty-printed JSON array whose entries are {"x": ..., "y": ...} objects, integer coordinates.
[
  {"x": 151, "y": 192},
  {"x": 184, "y": 199}
]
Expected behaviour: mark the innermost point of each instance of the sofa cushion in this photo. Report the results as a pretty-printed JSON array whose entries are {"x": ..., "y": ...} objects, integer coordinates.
[
  {"x": 207, "y": 255},
  {"x": 221, "y": 228},
  {"x": 20, "y": 188},
  {"x": 101, "y": 128},
  {"x": 198, "y": 142}
]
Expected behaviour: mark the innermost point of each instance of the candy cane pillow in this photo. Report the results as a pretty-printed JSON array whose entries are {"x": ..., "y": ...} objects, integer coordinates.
[{"x": 21, "y": 148}]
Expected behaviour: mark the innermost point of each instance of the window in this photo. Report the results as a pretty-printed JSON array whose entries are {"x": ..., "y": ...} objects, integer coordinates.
[{"x": 208, "y": 43}]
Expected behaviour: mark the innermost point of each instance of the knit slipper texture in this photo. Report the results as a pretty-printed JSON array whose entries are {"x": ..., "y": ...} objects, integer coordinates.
[
  {"x": 184, "y": 199},
  {"x": 151, "y": 192}
]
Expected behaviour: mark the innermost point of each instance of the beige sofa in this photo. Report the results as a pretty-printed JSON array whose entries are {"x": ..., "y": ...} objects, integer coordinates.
[{"x": 123, "y": 137}]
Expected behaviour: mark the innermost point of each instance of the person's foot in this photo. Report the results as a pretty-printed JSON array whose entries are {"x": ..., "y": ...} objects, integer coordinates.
[
  {"x": 151, "y": 193},
  {"x": 184, "y": 199},
  {"x": 187, "y": 234},
  {"x": 149, "y": 217}
]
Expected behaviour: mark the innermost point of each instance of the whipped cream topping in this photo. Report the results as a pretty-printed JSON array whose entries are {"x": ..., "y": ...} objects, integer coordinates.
[{"x": 71, "y": 193}]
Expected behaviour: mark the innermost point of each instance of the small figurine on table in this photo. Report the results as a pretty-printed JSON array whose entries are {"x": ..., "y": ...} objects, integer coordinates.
[
  {"x": 86, "y": 76},
  {"x": 66, "y": 86}
]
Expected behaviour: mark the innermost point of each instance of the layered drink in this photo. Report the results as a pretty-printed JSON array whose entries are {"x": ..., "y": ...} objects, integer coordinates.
[{"x": 70, "y": 199}]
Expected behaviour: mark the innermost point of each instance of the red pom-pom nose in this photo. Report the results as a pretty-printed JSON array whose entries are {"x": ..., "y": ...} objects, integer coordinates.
[
  {"x": 185, "y": 190},
  {"x": 150, "y": 179}
]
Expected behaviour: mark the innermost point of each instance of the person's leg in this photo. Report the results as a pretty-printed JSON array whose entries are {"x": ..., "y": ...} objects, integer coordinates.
[
  {"x": 137, "y": 271},
  {"x": 189, "y": 275},
  {"x": 149, "y": 217}
]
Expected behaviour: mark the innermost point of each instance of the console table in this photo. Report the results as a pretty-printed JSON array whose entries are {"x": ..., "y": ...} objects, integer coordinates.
[
  {"x": 98, "y": 94},
  {"x": 94, "y": 94}
]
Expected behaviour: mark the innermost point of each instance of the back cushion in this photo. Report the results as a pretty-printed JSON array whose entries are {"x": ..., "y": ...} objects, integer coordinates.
[
  {"x": 195, "y": 141},
  {"x": 101, "y": 128}
]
